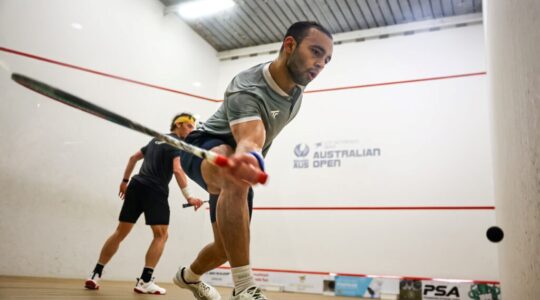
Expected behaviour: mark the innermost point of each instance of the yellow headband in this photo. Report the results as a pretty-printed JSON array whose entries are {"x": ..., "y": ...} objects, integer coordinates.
[{"x": 185, "y": 119}]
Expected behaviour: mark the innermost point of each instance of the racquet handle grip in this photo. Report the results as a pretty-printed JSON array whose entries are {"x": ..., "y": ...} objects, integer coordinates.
[
  {"x": 186, "y": 205},
  {"x": 262, "y": 177},
  {"x": 221, "y": 161}
]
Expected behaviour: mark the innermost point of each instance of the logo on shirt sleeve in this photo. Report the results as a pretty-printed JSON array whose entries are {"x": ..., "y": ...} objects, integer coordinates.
[{"x": 274, "y": 113}]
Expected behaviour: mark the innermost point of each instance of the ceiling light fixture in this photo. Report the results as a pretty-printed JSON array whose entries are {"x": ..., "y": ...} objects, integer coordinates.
[{"x": 200, "y": 8}]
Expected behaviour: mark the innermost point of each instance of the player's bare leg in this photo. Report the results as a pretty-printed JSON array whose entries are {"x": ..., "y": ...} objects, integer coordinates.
[
  {"x": 107, "y": 252},
  {"x": 232, "y": 218}
]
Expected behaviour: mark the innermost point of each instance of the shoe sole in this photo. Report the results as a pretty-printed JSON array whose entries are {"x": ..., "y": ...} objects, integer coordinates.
[
  {"x": 143, "y": 292},
  {"x": 91, "y": 285}
]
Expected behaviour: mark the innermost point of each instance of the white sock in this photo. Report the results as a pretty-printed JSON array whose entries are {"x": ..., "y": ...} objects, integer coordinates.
[
  {"x": 242, "y": 278},
  {"x": 191, "y": 276}
]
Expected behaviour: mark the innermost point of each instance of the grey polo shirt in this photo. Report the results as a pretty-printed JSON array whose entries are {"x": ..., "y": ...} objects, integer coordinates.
[{"x": 254, "y": 95}]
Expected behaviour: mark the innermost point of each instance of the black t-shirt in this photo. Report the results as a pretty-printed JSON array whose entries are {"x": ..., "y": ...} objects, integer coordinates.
[{"x": 157, "y": 168}]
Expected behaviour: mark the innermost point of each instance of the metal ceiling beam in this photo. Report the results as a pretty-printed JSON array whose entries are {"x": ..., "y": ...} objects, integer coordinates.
[
  {"x": 257, "y": 22},
  {"x": 365, "y": 34}
]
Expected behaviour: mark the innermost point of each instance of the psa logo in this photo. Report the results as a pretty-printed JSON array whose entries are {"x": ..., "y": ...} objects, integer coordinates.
[
  {"x": 301, "y": 150},
  {"x": 441, "y": 290}
]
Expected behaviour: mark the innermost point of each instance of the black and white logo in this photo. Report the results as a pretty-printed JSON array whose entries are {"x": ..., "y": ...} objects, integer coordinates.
[
  {"x": 301, "y": 150},
  {"x": 441, "y": 291}
]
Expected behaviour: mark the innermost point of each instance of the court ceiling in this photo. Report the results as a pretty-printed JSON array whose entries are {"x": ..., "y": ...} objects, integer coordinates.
[{"x": 258, "y": 22}]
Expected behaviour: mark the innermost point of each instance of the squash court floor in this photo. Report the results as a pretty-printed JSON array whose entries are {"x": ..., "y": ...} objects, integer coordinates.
[{"x": 26, "y": 288}]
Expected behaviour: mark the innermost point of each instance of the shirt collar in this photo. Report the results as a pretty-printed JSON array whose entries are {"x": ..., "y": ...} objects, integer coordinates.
[{"x": 271, "y": 82}]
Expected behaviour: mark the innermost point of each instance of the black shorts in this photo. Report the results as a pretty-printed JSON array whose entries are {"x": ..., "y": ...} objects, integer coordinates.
[
  {"x": 191, "y": 164},
  {"x": 142, "y": 198}
]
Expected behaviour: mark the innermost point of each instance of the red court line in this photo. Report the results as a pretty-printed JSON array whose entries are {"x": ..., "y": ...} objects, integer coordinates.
[
  {"x": 379, "y": 208},
  {"x": 105, "y": 74},
  {"x": 282, "y": 271},
  {"x": 291, "y": 271},
  {"x": 396, "y": 82},
  {"x": 363, "y": 275},
  {"x": 220, "y": 100},
  {"x": 486, "y": 282}
]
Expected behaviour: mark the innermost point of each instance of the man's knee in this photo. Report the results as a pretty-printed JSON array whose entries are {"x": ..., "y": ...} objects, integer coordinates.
[
  {"x": 213, "y": 175},
  {"x": 160, "y": 233},
  {"x": 223, "y": 149},
  {"x": 235, "y": 190}
]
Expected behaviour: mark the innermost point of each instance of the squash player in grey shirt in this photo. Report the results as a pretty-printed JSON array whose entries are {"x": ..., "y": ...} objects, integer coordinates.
[{"x": 258, "y": 103}]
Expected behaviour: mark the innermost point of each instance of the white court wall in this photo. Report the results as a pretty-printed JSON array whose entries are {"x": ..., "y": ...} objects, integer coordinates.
[
  {"x": 433, "y": 137},
  {"x": 60, "y": 168},
  {"x": 514, "y": 91}
]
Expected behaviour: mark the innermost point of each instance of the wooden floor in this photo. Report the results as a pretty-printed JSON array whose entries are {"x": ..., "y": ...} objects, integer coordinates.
[{"x": 26, "y": 288}]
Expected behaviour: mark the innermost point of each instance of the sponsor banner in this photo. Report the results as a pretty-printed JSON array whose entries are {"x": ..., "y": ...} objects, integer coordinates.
[
  {"x": 289, "y": 282},
  {"x": 367, "y": 287},
  {"x": 439, "y": 290},
  {"x": 351, "y": 286},
  {"x": 219, "y": 277},
  {"x": 300, "y": 283},
  {"x": 410, "y": 289},
  {"x": 442, "y": 290},
  {"x": 358, "y": 287},
  {"x": 388, "y": 286},
  {"x": 480, "y": 291}
]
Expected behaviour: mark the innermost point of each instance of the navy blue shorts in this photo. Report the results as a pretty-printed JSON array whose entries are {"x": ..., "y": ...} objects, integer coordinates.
[
  {"x": 141, "y": 198},
  {"x": 191, "y": 164}
]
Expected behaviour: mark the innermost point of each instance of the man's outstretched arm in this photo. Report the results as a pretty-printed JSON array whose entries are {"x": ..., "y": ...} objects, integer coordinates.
[{"x": 246, "y": 163}]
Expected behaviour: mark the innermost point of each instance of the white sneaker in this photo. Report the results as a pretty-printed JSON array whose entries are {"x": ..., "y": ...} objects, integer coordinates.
[
  {"x": 251, "y": 292},
  {"x": 149, "y": 287},
  {"x": 201, "y": 290},
  {"x": 92, "y": 283}
]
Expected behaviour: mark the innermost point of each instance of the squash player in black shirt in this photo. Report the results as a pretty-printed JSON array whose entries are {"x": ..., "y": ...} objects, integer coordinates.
[{"x": 147, "y": 192}]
